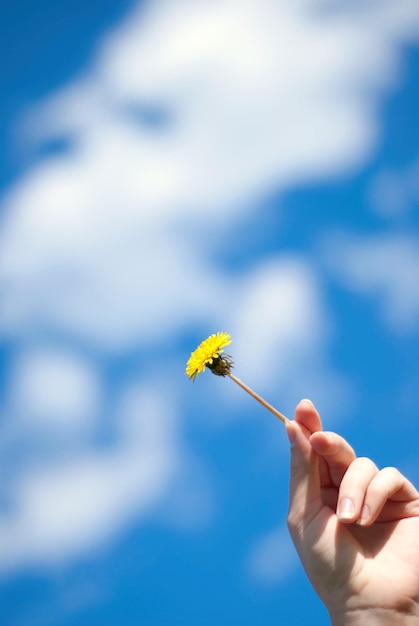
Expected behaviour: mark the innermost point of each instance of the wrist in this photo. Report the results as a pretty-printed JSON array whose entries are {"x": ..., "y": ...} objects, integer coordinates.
[{"x": 376, "y": 617}]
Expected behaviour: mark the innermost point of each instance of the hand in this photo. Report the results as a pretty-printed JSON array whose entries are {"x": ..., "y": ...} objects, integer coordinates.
[{"x": 356, "y": 528}]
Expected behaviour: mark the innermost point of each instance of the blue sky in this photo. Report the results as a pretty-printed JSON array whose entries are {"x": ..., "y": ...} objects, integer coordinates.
[{"x": 170, "y": 169}]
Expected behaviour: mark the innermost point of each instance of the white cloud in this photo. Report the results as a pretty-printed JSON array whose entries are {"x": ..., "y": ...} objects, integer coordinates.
[
  {"x": 272, "y": 558},
  {"x": 279, "y": 317},
  {"x": 96, "y": 268},
  {"x": 395, "y": 192},
  {"x": 63, "y": 508},
  {"x": 54, "y": 389},
  {"x": 97, "y": 244},
  {"x": 282, "y": 332},
  {"x": 386, "y": 267},
  {"x": 258, "y": 95}
]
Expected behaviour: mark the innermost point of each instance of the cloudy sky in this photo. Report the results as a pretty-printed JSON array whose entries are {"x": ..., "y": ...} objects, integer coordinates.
[{"x": 169, "y": 169}]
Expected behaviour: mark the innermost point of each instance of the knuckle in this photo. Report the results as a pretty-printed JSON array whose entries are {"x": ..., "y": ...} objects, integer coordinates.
[
  {"x": 391, "y": 475},
  {"x": 359, "y": 468},
  {"x": 364, "y": 460},
  {"x": 391, "y": 472}
]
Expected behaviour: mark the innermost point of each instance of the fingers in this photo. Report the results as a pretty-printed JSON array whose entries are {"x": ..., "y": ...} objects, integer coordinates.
[
  {"x": 325, "y": 470},
  {"x": 305, "y": 491},
  {"x": 353, "y": 489},
  {"x": 305, "y": 501},
  {"x": 307, "y": 416},
  {"x": 366, "y": 493},
  {"x": 337, "y": 454},
  {"x": 388, "y": 486}
]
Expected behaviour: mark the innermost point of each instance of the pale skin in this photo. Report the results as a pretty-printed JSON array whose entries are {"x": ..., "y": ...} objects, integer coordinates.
[{"x": 355, "y": 527}]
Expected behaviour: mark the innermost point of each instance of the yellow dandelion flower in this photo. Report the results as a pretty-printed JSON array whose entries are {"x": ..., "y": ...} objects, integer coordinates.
[{"x": 208, "y": 354}]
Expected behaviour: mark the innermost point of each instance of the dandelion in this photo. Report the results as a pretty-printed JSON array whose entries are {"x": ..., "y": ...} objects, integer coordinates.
[{"x": 210, "y": 353}]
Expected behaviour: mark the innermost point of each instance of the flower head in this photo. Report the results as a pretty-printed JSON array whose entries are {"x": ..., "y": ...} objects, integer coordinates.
[{"x": 208, "y": 354}]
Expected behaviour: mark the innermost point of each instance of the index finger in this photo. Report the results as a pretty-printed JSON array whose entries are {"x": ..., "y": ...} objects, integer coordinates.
[
  {"x": 307, "y": 415},
  {"x": 337, "y": 455}
]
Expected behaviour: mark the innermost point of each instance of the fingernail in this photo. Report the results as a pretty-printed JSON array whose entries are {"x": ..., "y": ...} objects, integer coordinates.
[
  {"x": 365, "y": 515},
  {"x": 307, "y": 401},
  {"x": 346, "y": 509}
]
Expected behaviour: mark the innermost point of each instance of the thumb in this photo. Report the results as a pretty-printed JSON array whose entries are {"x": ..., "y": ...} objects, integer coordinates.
[{"x": 304, "y": 490}]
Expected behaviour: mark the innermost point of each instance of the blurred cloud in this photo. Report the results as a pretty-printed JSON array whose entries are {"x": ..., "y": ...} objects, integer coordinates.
[
  {"x": 283, "y": 332},
  {"x": 272, "y": 558},
  {"x": 82, "y": 230},
  {"x": 251, "y": 94},
  {"x": 279, "y": 317},
  {"x": 71, "y": 505},
  {"x": 54, "y": 389},
  {"x": 385, "y": 267},
  {"x": 189, "y": 114},
  {"x": 395, "y": 192}
]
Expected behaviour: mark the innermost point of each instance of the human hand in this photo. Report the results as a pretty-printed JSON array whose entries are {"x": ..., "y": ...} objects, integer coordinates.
[{"x": 356, "y": 528}]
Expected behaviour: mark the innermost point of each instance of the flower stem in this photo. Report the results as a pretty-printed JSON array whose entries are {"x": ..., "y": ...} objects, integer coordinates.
[{"x": 257, "y": 397}]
